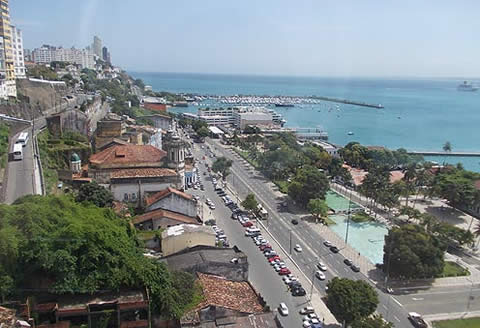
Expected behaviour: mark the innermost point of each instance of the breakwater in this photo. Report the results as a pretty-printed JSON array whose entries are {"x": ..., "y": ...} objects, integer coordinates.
[{"x": 348, "y": 102}]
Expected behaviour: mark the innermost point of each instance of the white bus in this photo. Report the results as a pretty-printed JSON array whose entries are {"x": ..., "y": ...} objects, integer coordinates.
[
  {"x": 22, "y": 139},
  {"x": 17, "y": 152}
]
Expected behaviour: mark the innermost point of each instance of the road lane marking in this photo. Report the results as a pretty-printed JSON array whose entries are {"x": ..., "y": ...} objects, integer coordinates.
[
  {"x": 417, "y": 298},
  {"x": 395, "y": 317}
]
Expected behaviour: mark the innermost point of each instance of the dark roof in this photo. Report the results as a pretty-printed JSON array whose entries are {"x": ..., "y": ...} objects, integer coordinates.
[{"x": 201, "y": 254}]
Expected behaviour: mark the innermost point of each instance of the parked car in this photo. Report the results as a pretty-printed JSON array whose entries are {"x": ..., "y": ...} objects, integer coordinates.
[
  {"x": 299, "y": 292},
  {"x": 284, "y": 271},
  {"x": 348, "y": 262},
  {"x": 283, "y": 309},
  {"x": 307, "y": 310},
  {"x": 327, "y": 243},
  {"x": 355, "y": 268}
]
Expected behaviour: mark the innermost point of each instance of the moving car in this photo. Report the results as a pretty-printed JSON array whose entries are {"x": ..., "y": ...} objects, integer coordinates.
[
  {"x": 294, "y": 221},
  {"x": 320, "y": 275},
  {"x": 283, "y": 309},
  {"x": 298, "y": 248},
  {"x": 334, "y": 249},
  {"x": 322, "y": 266},
  {"x": 417, "y": 320}
]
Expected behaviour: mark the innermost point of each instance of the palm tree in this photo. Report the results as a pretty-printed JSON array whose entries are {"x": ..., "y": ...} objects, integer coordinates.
[{"x": 447, "y": 148}]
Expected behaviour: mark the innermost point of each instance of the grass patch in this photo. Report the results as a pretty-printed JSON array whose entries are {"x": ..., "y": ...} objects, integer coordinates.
[
  {"x": 197, "y": 297},
  {"x": 282, "y": 186},
  {"x": 452, "y": 269},
  {"x": 4, "y": 132},
  {"x": 246, "y": 156},
  {"x": 360, "y": 217},
  {"x": 458, "y": 323}
]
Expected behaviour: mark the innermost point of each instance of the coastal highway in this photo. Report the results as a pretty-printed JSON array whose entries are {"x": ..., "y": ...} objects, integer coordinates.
[
  {"x": 261, "y": 275},
  {"x": 245, "y": 180}
]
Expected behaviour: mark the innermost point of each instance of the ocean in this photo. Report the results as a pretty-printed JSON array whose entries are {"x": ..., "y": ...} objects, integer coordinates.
[{"x": 418, "y": 114}]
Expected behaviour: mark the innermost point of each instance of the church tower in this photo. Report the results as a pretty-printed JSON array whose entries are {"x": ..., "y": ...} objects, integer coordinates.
[{"x": 176, "y": 149}]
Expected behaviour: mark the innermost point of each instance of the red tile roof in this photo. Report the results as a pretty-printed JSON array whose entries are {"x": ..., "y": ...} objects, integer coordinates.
[
  {"x": 164, "y": 193},
  {"x": 477, "y": 184},
  {"x": 143, "y": 173},
  {"x": 234, "y": 295},
  {"x": 161, "y": 213},
  {"x": 128, "y": 154}
]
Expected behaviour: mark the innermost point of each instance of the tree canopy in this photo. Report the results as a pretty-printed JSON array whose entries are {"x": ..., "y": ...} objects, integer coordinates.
[
  {"x": 250, "y": 203},
  {"x": 96, "y": 194},
  {"x": 351, "y": 300},
  {"x": 410, "y": 252},
  {"x": 318, "y": 208},
  {"x": 308, "y": 183},
  {"x": 78, "y": 248},
  {"x": 222, "y": 165}
]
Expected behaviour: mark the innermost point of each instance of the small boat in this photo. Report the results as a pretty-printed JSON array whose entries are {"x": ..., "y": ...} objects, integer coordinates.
[{"x": 350, "y": 133}]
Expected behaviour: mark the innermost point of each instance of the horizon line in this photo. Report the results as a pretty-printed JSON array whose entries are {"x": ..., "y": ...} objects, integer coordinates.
[{"x": 394, "y": 77}]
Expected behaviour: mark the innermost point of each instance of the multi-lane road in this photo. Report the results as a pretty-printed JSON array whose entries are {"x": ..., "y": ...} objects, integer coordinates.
[{"x": 245, "y": 180}]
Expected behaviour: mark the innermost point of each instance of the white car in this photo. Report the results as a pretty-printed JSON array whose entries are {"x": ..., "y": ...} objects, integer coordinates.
[
  {"x": 298, "y": 248},
  {"x": 310, "y": 316},
  {"x": 307, "y": 310},
  {"x": 320, "y": 275},
  {"x": 306, "y": 324},
  {"x": 283, "y": 309},
  {"x": 322, "y": 266}
]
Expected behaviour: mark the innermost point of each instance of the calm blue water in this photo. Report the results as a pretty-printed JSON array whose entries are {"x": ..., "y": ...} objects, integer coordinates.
[{"x": 418, "y": 114}]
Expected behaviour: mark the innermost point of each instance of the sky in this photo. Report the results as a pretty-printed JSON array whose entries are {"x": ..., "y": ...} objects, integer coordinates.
[{"x": 348, "y": 38}]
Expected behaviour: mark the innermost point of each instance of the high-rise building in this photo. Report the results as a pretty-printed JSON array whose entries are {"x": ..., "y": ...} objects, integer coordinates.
[
  {"x": 6, "y": 34},
  {"x": 18, "y": 52},
  {"x": 97, "y": 46},
  {"x": 27, "y": 55},
  {"x": 106, "y": 55}
]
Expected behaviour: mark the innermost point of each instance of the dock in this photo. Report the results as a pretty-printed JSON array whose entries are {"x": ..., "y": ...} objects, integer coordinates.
[
  {"x": 442, "y": 153},
  {"x": 348, "y": 102}
]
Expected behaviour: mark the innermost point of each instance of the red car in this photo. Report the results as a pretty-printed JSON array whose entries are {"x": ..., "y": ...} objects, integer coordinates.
[
  {"x": 284, "y": 272},
  {"x": 263, "y": 247},
  {"x": 276, "y": 257},
  {"x": 247, "y": 224}
]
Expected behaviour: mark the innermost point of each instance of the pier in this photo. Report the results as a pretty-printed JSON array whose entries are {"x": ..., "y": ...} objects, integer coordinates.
[
  {"x": 442, "y": 153},
  {"x": 348, "y": 102}
]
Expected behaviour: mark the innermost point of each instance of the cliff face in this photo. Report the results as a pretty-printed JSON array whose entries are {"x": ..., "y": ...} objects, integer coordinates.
[{"x": 35, "y": 98}]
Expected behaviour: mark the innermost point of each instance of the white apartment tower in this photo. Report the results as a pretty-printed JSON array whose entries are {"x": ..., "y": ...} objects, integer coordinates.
[{"x": 18, "y": 52}]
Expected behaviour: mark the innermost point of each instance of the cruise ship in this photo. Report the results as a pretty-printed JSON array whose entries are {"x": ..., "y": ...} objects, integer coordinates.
[{"x": 466, "y": 86}]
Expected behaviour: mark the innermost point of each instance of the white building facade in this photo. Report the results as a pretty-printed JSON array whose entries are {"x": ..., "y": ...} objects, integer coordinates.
[
  {"x": 48, "y": 54},
  {"x": 18, "y": 52}
]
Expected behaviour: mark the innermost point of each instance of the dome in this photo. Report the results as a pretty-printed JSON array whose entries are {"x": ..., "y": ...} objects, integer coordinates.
[{"x": 74, "y": 157}]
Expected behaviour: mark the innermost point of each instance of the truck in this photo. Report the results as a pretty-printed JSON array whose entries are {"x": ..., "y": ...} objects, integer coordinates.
[{"x": 261, "y": 212}]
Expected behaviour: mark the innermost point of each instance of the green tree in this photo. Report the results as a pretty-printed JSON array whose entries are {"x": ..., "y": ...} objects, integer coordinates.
[
  {"x": 96, "y": 194},
  {"x": 308, "y": 183},
  {"x": 351, "y": 300},
  {"x": 374, "y": 321},
  {"x": 203, "y": 132},
  {"x": 250, "y": 203},
  {"x": 410, "y": 253},
  {"x": 222, "y": 165},
  {"x": 318, "y": 208}
]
